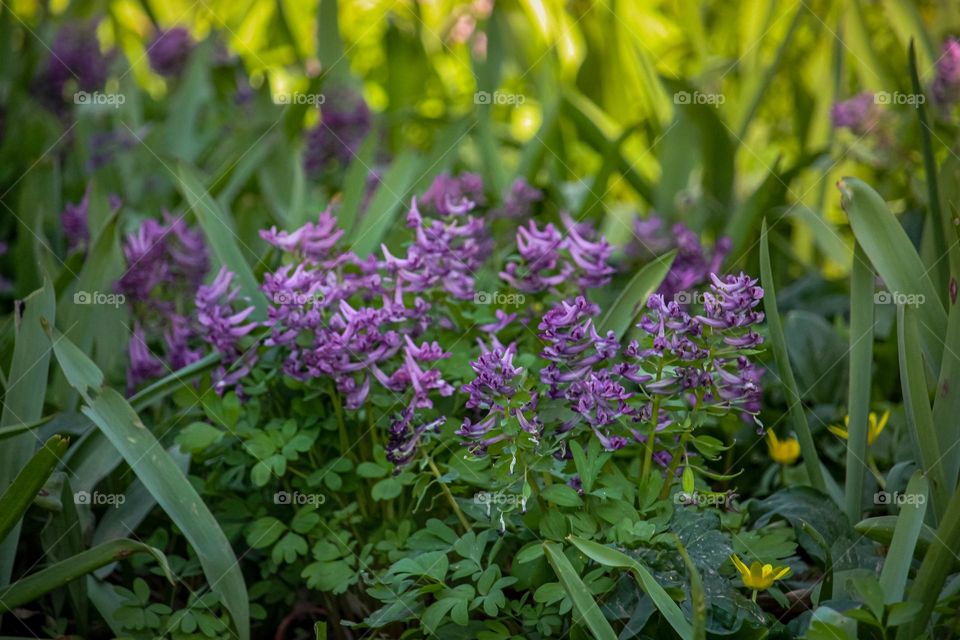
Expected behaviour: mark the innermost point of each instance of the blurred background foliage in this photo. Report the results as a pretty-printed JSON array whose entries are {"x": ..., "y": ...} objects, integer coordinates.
[{"x": 598, "y": 83}]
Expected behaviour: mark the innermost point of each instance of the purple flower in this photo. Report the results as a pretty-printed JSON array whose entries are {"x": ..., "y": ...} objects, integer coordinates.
[
  {"x": 590, "y": 256},
  {"x": 693, "y": 263},
  {"x": 344, "y": 123},
  {"x": 444, "y": 254},
  {"x": 146, "y": 257},
  {"x": 542, "y": 266},
  {"x": 454, "y": 196},
  {"x": 519, "y": 200},
  {"x": 573, "y": 345},
  {"x": 502, "y": 322},
  {"x": 222, "y": 327},
  {"x": 404, "y": 437},
  {"x": 177, "y": 341},
  {"x": 74, "y": 222},
  {"x": 946, "y": 83},
  {"x": 169, "y": 51},
  {"x": 143, "y": 364},
  {"x": 495, "y": 381},
  {"x": 857, "y": 113},
  {"x": 74, "y": 56},
  {"x": 313, "y": 241},
  {"x": 731, "y": 303}
]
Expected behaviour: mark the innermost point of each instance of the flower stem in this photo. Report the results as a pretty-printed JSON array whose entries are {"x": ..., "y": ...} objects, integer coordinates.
[{"x": 450, "y": 498}]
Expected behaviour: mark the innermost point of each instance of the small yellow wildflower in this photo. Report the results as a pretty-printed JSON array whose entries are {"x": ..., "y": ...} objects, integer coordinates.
[
  {"x": 784, "y": 451},
  {"x": 874, "y": 427},
  {"x": 758, "y": 576}
]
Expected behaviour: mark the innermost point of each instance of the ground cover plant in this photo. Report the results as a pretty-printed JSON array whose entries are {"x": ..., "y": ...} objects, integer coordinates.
[{"x": 479, "y": 320}]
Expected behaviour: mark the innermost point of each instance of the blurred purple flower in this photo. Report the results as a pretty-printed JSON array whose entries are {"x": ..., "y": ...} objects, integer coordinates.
[
  {"x": 859, "y": 113},
  {"x": 453, "y": 196},
  {"x": 143, "y": 364},
  {"x": 169, "y": 51},
  {"x": 73, "y": 219},
  {"x": 519, "y": 200},
  {"x": 946, "y": 83},
  {"x": 344, "y": 123},
  {"x": 74, "y": 56},
  {"x": 222, "y": 327}
]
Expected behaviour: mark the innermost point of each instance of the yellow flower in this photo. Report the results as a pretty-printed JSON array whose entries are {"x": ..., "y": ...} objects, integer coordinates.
[
  {"x": 784, "y": 451},
  {"x": 759, "y": 576},
  {"x": 874, "y": 427}
]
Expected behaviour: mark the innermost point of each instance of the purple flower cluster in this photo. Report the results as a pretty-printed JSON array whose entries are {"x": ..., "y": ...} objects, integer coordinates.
[
  {"x": 73, "y": 220},
  {"x": 549, "y": 258},
  {"x": 166, "y": 263},
  {"x": 445, "y": 253},
  {"x": 519, "y": 200},
  {"x": 693, "y": 264},
  {"x": 946, "y": 83},
  {"x": 858, "y": 114},
  {"x": 169, "y": 51},
  {"x": 222, "y": 328},
  {"x": 74, "y": 56},
  {"x": 449, "y": 196},
  {"x": 344, "y": 123}
]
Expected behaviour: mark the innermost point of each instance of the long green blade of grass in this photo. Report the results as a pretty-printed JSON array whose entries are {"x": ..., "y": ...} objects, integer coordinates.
[
  {"x": 609, "y": 557},
  {"x": 860, "y": 379},
  {"x": 919, "y": 414},
  {"x": 394, "y": 192},
  {"x": 893, "y": 256},
  {"x": 697, "y": 594},
  {"x": 587, "y": 608},
  {"x": 62, "y": 573},
  {"x": 808, "y": 449},
  {"x": 23, "y": 401},
  {"x": 19, "y": 495},
  {"x": 937, "y": 564},
  {"x": 114, "y": 416},
  {"x": 221, "y": 234},
  {"x": 896, "y": 566}
]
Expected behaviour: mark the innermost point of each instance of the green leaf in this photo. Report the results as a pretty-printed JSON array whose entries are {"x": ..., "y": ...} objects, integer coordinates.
[
  {"x": 630, "y": 302},
  {"x": 698, "y": 595},
  {"x": 23, "y": 401},
  {"x": 562, "y": 495},
  {"x": 355, "y": 184},
  {"x": 895, "y": 259},
  {"x": 913, "y": 381},
  {"x": 861, "y": 375},
  {"x": 370, "y": 470},
  {"x": 394, "y": 192},
  {"x": 197, "y": 436},
  {"x": 896, "y": 567},
  {"x": 587, "y": 609},
  {"x": 220, "y": 231},
  {"x": 114, "y": 416},
  {"x": 24, "y": 488},
  {"x": 610, "y": 557},
  {"x": 61, "y": 573},
  {"x": 808, "y": 448}
]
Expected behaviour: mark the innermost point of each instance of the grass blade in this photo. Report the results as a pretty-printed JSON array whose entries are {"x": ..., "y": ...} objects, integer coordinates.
[
  {"x": 896, "y": 566},
  {"x": 938, "y": 562},
  {"x": 355, "y": 183},
  {"x": 61, "y": 573},
  {"x": 24, "y": 488},
  {"x": 23, "y": 401},
  {"x": 610, "y": 557},
  {"x": 393, "y": 193},
  {"x": 584, "y": 604},
  {"x": 797, "y": 413},
  {"x": 158, "y": 472},
  {"x": 634, "y": 296},
  {"x": 861, "y": 375},
  {"x": 896, "y": 260},
  {"x": 697, "y": 594},
  {"x": 919, "y": 414},
  {"x": 219, "y": 229}
]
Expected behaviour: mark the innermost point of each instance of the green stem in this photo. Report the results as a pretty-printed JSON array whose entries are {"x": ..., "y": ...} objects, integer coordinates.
[
  {"x": 449, "y": 496},
  {"x": 651, "y": 436}
]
